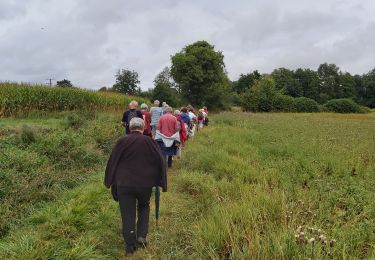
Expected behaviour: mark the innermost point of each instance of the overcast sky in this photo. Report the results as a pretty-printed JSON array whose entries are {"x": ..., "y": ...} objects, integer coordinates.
[{"x": 88, "y": 41}]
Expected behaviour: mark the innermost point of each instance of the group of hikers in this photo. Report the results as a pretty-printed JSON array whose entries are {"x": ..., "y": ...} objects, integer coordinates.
[{"x": 139, "y": 161}]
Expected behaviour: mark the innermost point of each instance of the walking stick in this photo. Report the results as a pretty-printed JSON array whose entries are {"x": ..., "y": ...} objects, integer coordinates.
[{"x": 157, "y": 204}]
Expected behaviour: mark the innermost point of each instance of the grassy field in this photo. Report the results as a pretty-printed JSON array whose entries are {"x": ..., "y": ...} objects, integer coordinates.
[{"x": 247, "y": 187}]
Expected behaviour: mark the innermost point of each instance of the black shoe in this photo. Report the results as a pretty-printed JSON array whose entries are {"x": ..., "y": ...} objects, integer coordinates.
[
  {"x": 130, "y": 250},
  {"x": 142, "y": 242}
]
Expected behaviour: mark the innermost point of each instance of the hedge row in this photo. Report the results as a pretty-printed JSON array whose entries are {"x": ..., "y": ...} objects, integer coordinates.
[{"x": 285, "y": 103}]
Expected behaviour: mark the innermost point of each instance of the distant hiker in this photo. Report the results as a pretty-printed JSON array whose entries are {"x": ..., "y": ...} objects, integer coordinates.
[
  {"x": 134, "y": 167},
  {"x": 164, "y": 106},
  {"x": 167, "y": 135},
  {"x": 200, "y": 118},
  {"x": 182, "y": 132},
  {"x": 147, "y": 118},
  {"x": 193, "y": 121},
  {"x": 130, "y": 114},
  {"x": 156, "y": 112},
  {"x": 205, "y": 111},
  {"x": 185, "y": 117}
]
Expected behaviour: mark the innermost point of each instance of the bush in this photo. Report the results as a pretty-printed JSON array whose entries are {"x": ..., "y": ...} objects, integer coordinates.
[
  {"x": 344, "y": 105},
  {"x": 283, "y": 103},
  {"x": 74, "y": 121},
  {"x": 260, "y": 96},
  {"x": 27, "y": 135},
  {"x": 304, "y": 104}
]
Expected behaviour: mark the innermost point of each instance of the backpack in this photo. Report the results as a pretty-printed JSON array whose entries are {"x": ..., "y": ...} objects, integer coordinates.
[{"x": 131, "y": 115}]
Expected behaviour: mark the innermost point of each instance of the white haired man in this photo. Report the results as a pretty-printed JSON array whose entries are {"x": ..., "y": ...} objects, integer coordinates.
[
  {"x": 129, "y": 115},
  {"x": 135, "y": 166}
]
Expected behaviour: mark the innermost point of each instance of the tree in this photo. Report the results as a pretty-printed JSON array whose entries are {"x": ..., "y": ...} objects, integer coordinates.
[
  {"x": 245, "y": 81},
  {"x": 200, "y": 73},
  {"x": 64, "y": 83},
  {"x": 165, "y": 88},
  {"x": 285, "y": 81},
  {"x": 368, "y": 91},
  {"x": 127, "y": 82},
  {"x": 309, "y": 82},
  {"x": 346, "y": 86},
  {"x": 329, "y": 83},
  {"x": 260, "y": 96}
]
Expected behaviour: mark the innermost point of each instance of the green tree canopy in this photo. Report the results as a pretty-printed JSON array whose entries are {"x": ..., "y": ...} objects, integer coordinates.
[
  {"x": 285, "y": 81},
  {"x": 165, "y": 88},
  {"x": 329, "y": 82},
  {"x": 260, "y": 96},
  {"x": 368, "y": 89},
  {"x": 127, "y": 82},
  {"x": 245, "y": 81},
  {"x": 200, "y": 73},
  {"x": 64, "y": 83}
]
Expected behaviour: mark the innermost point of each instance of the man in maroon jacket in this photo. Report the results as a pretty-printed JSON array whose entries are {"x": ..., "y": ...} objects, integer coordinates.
[{"x": 134, "y": 167}]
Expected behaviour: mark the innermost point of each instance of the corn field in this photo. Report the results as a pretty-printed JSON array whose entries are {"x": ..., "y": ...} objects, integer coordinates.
[{"x": 24, "y": 98}]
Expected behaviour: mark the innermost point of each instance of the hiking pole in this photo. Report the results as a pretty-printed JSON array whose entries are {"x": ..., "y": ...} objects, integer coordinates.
[{"x": 157, "y": 204}]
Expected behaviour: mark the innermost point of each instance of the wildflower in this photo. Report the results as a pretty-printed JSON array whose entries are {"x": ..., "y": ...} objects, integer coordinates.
[{"x": 311, "y": 240}]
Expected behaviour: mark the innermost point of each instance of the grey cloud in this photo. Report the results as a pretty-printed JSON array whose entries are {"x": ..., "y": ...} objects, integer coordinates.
[{"x": 88, "y": 41}]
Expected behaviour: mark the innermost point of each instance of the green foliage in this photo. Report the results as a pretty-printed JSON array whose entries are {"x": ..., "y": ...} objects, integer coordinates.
[
  {"x": 367, "y": 89},
  {"x": 27, "y": 135},
  {"x": 165, "y": 89},
  {"x": 285, "y": 81},
  {"x": 260, "y": 96},
  {"x": 283, "y": 103},
  {"x": 74, "y": 120},
  {"x": 344, "y": 105},
  {"x": 199, "y": 72},
  {"x": 39, "y": 162},
  {"x": 303, "y": 104},
  {"x": 245, "y": 81},
  {"x": 64, "y": 83},
  {"x": 23, "y": 99},
  {"x": 127, "y": 82},
  {"x": 327, "y": 83}
]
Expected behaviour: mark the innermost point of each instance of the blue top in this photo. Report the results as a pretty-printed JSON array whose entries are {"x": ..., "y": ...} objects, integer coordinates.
[
  {"x": 186, "y": 118},
  {"x": 156, "y": 113}
]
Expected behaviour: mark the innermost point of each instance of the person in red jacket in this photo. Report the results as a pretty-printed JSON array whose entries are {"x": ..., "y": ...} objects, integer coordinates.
[
  {"x": 147, "y": 118},
  {"x": 167, "y": 134},
  {"x": 183, "y": 133}
]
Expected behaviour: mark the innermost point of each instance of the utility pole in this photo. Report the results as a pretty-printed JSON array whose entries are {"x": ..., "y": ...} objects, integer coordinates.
[{"x": 50, "y": 82}]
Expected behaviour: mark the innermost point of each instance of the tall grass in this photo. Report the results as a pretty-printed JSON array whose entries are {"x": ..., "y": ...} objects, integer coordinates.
[
  {"x": 23, "y": 98},
  {"x": 247, "y": 187},
  {"x": 257, "y": 178},
  {"x": 38, "y": 163}
]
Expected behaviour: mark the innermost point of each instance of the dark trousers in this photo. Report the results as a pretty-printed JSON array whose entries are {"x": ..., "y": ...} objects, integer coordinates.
[
  {"x": 130, "y": 199},
  {"x": 169, "y": 160}
]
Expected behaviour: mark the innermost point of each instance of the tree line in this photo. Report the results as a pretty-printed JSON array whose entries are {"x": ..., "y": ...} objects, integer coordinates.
[{"x": 197, "y": 76}]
